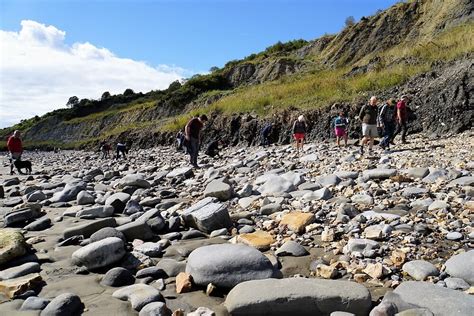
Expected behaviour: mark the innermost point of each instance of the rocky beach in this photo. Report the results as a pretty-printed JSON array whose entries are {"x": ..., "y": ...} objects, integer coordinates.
[{"x": 260, "y": 231}]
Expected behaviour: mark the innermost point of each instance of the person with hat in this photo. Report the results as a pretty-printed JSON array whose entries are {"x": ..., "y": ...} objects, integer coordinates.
[
  {"x": 401, "y": 119},
  {"x": 368, "y": 116}
]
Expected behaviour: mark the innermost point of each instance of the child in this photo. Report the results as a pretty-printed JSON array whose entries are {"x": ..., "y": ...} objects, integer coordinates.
[{"x": 341, "y": 123}]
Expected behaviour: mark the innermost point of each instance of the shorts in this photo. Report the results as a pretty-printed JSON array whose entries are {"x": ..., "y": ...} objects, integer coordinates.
[
  {"x": 340, "y": 131},
  {"x": 298, "y": 136},
  {"x": 369, "y": 130},
  {"x": 15, "y": 156}
]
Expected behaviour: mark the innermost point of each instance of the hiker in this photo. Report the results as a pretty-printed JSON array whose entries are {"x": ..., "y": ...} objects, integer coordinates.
[
  {"x": 15, "y": 147},
  {"x": 402, "y": 118},
  {"x": 213, "y": 149},
  {"x": 192, "y": 133},
  {"x": 299, "y": 131},
  {"x": 341, "y": 125},
  {"x": 121, "y": 149},
  {"x": 180, "y": 140},
  {"x": 368, "y": 116},
  {"x": 265, "y": 134},
  {"x": 105, "y": 148},
  {"x": 386, "y": 120}
]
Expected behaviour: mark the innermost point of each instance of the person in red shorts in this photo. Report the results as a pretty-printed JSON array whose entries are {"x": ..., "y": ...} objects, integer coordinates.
[
  {"x": 299, "y": 131},
  {"x": 15, "y": 147},
  {"x": 341, "y": 124}
]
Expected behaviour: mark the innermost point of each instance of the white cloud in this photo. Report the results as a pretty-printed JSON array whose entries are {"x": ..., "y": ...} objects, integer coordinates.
[{"x": 39, "y": 72}]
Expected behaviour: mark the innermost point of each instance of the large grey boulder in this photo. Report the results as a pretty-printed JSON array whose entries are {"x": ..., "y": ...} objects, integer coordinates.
[
  {"x": 207, "y": 216},
  {"x": 420, "y": 269},
  {"x": 69, "y": 192},
  {"x": 227, "y": 265},
  {"x": 20, "y": 216},
  {"x": 439, "y": 300},
  {"x": 100, "y": 253},
  {"x": 12, "y": 245},
  {"x": 156, "y": 309},
  {"x": 276, "y": 186},
  {"x": 84, "y": 197},
  {"x": 297, "y": 296},
  {"x": 379, "y": 173},
  {"x": 462, "y": 266},
  {"x": 218, "y": 189},
  {"x": 87, "y": 229},
  {"x": 39, "y": 224},
  {"x": 139, "y": 295},
  {"x": 291, "y": 248},
  {"x": 136, "y": 230}
]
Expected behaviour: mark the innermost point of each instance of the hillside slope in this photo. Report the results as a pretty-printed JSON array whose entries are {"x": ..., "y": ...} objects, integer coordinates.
[{"x": 421, "y": 48}]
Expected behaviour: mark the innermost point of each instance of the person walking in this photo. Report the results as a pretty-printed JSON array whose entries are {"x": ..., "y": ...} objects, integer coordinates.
[
  {"x": 299, "y": 131},
  {"x": 121, "y": 149},
  {"x": 15, "y": 147},
  {"x": 192, "y": 133},
  {"x": 386, "y": 120},
  {"x": 368, "y": 116},
  {"x": 402, "y": 118},
  {"x": 265, "y": 133},
  {"x": 341, "y": 125}
]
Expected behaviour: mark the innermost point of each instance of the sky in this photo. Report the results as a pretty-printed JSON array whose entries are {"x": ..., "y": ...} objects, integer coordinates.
[{"x": 53, "y": 49}]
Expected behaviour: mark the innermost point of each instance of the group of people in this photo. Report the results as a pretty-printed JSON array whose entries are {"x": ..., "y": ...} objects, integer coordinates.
[{"x": 121, "y": 150}]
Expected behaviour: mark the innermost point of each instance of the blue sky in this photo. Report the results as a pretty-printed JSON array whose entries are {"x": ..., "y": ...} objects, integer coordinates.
[{"x": 145, "y": 44}]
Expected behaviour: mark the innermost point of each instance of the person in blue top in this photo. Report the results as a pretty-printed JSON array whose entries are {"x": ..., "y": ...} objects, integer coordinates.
[{"x": 341, "y": 125}]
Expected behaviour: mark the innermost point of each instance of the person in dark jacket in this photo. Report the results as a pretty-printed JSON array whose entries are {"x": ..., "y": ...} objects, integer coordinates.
[
  {"x": 121, "y": 149},
  {"x": 299, "y": 132},
  {"x": 213, "y": 149},
  {"x": 402, "y": 119},
  {"x": 386, "y": 120},
  {"x": 368, "y": 116},
  {"x": 192, "y": 134},
  {"x": 265, "y": 133}
]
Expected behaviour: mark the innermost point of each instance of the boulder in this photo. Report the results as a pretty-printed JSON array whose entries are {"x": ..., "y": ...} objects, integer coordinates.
[
  {"x": 34, "y": 303},
  {"x": 39, "y": 224},
  {"x": 227, "y": 265},
  {"x": 105, "y": 233},
  {"x": 437, "y": 299},
  {"x": 134, "y": 180},
  {"x": 186, "y": 172},
  {"x": 21, "y": 270},
  {"x": 136, "y": 230},
  {"x": 97, "y": 211},
  {"x": 418, "y": 172},
  {"x": 155, "y": 309},
  {"x": 171, "y": 267},
  {"x": 69, "y": 192},
  {"x": 321, "y": 194},
  {"x": 364, "y": 199},
  {"x": 260, "y": 240},
  {"x": 461, "y": 266},
  {"x": 84, "y": 197},
  {"x": 420, "y": 269},
  {"x": 297, "y": 221},
  {"x": 276, "y": 186},
  {"x": 20, "y": 216},
  {"x": 328, "y": 180},
  {"x": 100, "y": 253},
  {"x": 291, "y": 248},
  {"x": 64, "y": 304},
  {"x": 118, "y": 277},
  {"x": 208, "y": 217},
  {"x": 379, "y": 173},
  {"x": 12, "y": 245},
  {"x": 218, "y": 189},
  {"x": 297, "y": 296},
  {"x": 118, "y": 201},
  {"x": 12, "y": 288}
]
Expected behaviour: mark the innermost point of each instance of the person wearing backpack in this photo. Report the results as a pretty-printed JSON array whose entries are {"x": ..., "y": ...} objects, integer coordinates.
[
  {"x": 368, "y": 116},
  {"x": 299, "y": 131},
  {"x": 386, "y": 120},
  {"x": 402, "y": 118},
  {"x": 341, "y": 124}
]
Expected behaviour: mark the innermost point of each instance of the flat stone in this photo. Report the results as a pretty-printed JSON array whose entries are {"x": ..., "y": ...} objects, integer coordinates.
[
  {"x": 12, "y": 245},
  {"x": 136, "y": 230},
  {"x": 134, "y": 180},
  {"x": 36, "y": 196},
  {"x": 11, "y": 202},
  {"x": 17, "y": 286},
  {"x": 297, "y": 221},
  {"x": 276, "y": 186},
  {"x": 438, "y": 205},
  {"x": 412, "y": 192},
  {"x": 437, "y": 299},
  {"x": 185, "y": 172},
  {"x": 87, "y": 229},
  {"x": 105, "y": 233},
  {"x": 139, "y": 295},
  {"x": 415, "y": 312},
  {"x": 97, "y": 211},
  {"x": 328, "y": 180},
  {"x": 364, "y": 199},
  {"x": 308, "y": 297},
  {"x": 153, "y": 272},
  {"x": 456, "y": 284},
  {"x": 69, "y": 192},
  {"x": 417, "y": 173},
  {"x": 118, "y": 201},
  {"x": 460, "y": 266},
  {"x": 362, "y": 246},
  {"x": 227, "y": 265},
  {"x": 171, "y": 267},
  {"x": 39, "y": 224},
  {"x": 23, "y": 215},
  {"x": 15, "y": 272},
  {"x": 379, "y": 173},
  {"x": 259, "y": 239},
  {"x": 151, "y": 249},
  {"x": 454, "y": 236},
  {"x": 291, "y": 248},
  {"x": 347, "y": 174},
  {"x": 321, "y": 194},
  {"x": 420, "y": 269},
  {"x": 462, "y": 181},
  {"x": 270, "y": 208},
  {"x": 100, "y": 253}
]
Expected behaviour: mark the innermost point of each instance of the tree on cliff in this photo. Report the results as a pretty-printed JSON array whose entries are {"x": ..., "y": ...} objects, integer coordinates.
[
  {"x": 72, "y": 102},
  {"x": 105, "y": 95},
  {"x": 128, "y": 92}
]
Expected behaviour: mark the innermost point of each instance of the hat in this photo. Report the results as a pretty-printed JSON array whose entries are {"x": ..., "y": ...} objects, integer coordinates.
[{"x": 404, "y": 97}]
